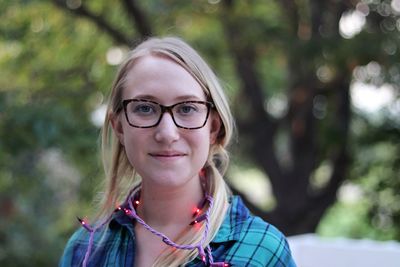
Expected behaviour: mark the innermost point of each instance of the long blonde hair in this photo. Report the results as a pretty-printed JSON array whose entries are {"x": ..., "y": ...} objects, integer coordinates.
[{"x": 121, "y": 176}]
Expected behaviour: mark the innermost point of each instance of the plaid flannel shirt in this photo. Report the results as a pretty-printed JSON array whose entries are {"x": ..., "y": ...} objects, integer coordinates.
[{"x": 242, "y": 240}]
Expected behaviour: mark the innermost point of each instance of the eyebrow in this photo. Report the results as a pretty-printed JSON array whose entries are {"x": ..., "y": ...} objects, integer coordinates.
[{"x": 179, "y": 98}]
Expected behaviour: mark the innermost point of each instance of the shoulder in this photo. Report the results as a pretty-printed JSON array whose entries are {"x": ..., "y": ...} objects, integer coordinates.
[
  {"x": 75, "y": 249},
  {"x": 106, "y": 244},
  {"x": 264, "y": 244},
  {"x": 253, "y": 242}
]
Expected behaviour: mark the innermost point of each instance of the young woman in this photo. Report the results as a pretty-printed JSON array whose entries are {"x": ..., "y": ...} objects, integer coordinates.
[{"x": 165, "y": 202}]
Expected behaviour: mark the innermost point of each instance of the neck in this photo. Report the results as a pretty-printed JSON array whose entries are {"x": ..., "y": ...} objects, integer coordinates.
[{"x": 164, "y": 207}]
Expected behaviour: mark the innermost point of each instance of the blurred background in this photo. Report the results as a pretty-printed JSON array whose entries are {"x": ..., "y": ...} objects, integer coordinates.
[{"x": 314, "y": 86}]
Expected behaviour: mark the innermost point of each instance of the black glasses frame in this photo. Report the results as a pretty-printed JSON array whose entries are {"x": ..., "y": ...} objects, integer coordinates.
[{"x": 168, "y": 109}]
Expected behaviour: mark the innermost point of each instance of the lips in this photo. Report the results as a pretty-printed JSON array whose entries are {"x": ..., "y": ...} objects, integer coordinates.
[{"x": 167, "y": 154}]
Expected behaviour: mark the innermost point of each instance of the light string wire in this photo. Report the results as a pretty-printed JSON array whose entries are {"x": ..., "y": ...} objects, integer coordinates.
[
  {"x": 199, "y": 246},
  {"x": 92, "y": 230},
  {"x": 131, "y": 213}
]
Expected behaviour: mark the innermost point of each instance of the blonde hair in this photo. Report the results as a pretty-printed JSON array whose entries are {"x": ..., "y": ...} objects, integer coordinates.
[{"x": 121, "y": 176}]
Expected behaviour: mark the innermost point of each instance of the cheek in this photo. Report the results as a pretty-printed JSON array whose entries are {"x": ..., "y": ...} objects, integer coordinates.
[
  {"x": 133, "y": 144},
  {"x": 200, "y": 143},
  {"x": 201, "y": 136},
  {"x": 130, "y": 151}
]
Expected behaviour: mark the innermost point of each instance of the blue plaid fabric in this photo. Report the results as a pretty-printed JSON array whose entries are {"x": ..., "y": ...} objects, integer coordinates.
[{"x": 242, "y": 240}]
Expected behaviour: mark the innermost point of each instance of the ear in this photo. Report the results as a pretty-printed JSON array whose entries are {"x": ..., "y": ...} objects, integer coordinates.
[
  {"x": 117, "y": 127},
  {"x": 215, "y": 127}
]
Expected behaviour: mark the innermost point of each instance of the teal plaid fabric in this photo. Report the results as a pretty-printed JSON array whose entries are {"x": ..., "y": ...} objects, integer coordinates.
[{"x": 242, "y": 240}]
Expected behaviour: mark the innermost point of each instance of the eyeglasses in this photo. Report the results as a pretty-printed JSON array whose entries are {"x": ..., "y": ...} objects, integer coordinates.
[{"x": 141, "y": 113}]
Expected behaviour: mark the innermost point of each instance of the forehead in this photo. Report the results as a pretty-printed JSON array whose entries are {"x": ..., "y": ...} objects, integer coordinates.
[{"x": 160, "y": 78}]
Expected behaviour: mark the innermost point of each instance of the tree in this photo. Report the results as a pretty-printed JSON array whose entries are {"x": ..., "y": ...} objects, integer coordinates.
[
  {"x": 289, "y": 69},
  {"x": 306, "y": 37},
  {"x": 46, "y": 95}
]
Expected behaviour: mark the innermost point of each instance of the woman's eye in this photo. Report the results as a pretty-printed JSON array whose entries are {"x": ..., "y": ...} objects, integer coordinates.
[
  {"x": 187, "y": 109},
  {"x": 144, "y": 109}
]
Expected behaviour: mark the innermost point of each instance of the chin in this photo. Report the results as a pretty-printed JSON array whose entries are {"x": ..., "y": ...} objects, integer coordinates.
[{"x": 168, "y": 180}]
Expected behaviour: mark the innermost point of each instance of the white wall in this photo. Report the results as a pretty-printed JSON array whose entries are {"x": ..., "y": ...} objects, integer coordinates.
[{"x": 312, "y": 251}]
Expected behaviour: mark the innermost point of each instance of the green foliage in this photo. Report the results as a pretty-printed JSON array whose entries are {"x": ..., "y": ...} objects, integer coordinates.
[
  {"x": 54, "y": 73},
  {"x": 375, "y": 211}
]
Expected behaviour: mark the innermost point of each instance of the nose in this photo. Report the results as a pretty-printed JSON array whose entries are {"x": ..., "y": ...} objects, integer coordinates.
[{"x": 166, "y": 131}]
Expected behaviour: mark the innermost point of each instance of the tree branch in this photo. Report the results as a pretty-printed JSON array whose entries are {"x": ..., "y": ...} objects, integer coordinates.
[
  {"x": 138, "y": 18},
  {"x": 261, "y": 125},
  {"x": 99, "y": 21},
  {"x": 317, "y": 15},
  {"x": 340, "y": 156},
  {"x": 244, "y": 56},
  {"x": 292, "y": 14}
]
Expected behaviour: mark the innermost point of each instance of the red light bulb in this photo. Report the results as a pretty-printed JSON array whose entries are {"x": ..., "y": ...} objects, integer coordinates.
[{"x": 84, "y": 224}]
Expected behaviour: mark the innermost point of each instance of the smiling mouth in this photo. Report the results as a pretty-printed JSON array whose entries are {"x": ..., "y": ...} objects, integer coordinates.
[{"x": 167, "y": 155}]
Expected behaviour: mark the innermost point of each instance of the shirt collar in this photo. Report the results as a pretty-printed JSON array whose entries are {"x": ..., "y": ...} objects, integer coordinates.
[
  {"x": 230, "y": 230},
  {"x": 119, "y": 219}
]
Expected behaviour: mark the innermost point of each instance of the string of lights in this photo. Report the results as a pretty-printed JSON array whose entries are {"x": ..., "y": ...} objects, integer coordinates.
[{"x": 133, "y": 202}]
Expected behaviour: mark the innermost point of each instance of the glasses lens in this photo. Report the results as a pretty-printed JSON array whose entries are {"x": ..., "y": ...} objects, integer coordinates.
[
  {"x": 142, "y": 113},
  {"x": 190, "y": 114}
]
